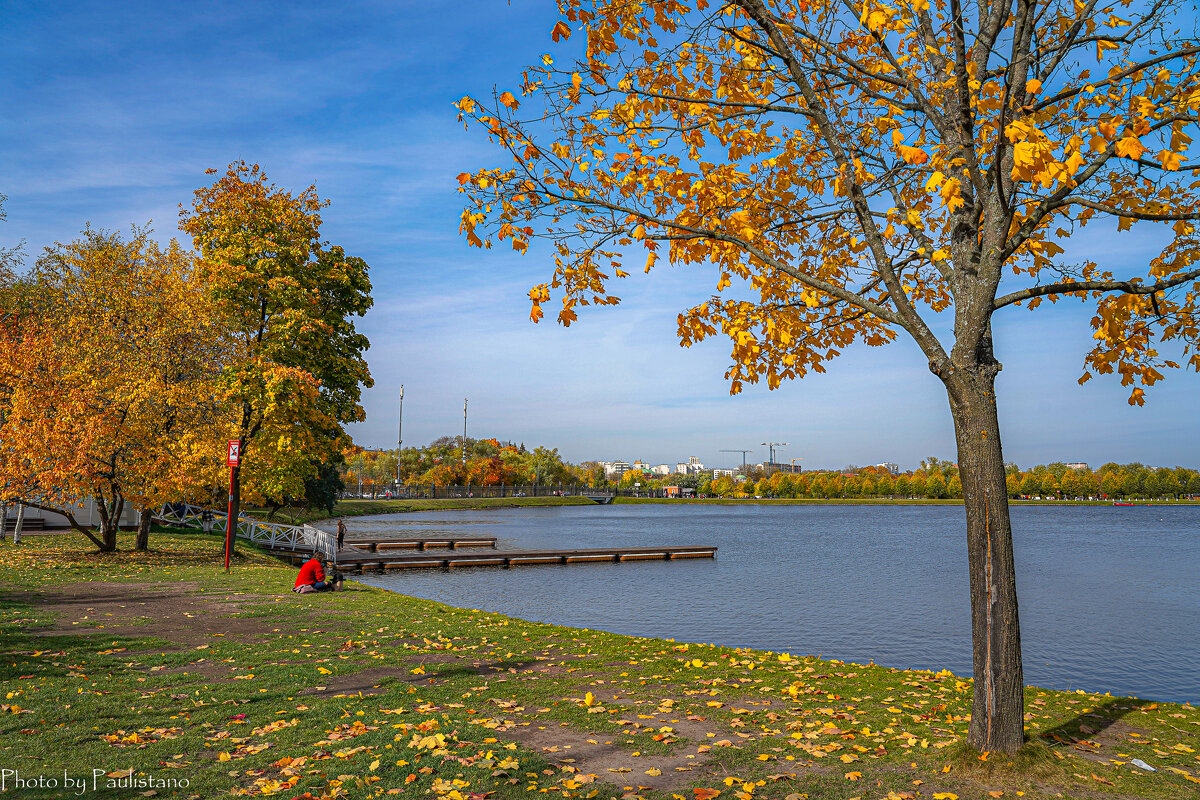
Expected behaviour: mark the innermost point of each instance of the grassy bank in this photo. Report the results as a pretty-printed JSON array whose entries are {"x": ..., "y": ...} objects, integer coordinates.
[{"x": 160, "y": 667}]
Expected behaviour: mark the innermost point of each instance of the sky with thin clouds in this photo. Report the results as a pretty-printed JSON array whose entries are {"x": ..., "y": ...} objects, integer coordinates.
[{"x": 112, "y": 112}]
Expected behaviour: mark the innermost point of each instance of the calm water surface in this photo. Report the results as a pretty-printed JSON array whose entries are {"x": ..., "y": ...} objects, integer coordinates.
[{"x": 1110, "y": 596}]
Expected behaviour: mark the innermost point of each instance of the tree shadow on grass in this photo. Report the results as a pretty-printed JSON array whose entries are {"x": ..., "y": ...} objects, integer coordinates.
[{"x": 1091, "y": 723}]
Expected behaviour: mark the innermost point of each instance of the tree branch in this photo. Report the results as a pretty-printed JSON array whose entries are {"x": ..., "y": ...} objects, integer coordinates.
[{"x": 1067, "y": 287}]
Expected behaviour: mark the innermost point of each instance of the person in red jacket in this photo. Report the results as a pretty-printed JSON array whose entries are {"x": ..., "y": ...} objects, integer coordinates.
[{"x": 312, "y": 578}]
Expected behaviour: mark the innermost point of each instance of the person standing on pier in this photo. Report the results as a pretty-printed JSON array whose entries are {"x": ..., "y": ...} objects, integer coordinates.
[{"x": 341, "y": 533}]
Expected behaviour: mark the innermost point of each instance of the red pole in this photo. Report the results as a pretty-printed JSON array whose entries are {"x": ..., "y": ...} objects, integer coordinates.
[{"x": 229, "y": 521}]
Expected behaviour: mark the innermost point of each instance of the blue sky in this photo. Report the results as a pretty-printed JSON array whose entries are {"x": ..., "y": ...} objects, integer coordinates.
[{"x": 112, "y": 112}]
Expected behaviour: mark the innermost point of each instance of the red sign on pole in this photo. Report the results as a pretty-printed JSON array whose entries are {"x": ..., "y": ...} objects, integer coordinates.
[{"x": 235, "y": 454}]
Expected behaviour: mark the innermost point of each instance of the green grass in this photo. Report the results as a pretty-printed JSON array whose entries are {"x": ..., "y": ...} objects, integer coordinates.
[{"x": 217, "y": 683}]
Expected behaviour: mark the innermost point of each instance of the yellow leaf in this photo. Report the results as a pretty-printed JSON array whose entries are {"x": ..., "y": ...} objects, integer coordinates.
[
  {"x": 508, "y": 100},
  {"x": 1130, "y": 147},
  {"x": 1033, "y": 86},
  {"x": 1169, "y": 160}
]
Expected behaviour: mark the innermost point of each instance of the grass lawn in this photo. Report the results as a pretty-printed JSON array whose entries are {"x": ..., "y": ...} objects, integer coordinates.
[{"x": 146, "y": 672}]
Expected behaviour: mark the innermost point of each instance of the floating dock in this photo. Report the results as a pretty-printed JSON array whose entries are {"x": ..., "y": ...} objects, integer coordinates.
[
  {"x": 375, "y": 545},
  {"x": 351, "y": 561}
]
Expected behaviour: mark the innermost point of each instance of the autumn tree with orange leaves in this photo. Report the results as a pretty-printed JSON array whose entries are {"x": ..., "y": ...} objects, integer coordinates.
[
  {"x": 848, "y": 171},
  {"x": 109, "y": 368}
]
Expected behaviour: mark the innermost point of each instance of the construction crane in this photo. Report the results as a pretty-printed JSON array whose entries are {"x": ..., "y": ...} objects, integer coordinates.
[
  {"x": 743, "y": 452},
  {"x": 772, "y": 446}
]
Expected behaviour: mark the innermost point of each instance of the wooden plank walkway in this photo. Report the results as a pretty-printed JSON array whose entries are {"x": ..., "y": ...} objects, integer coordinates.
[
  {"x": 362, "y": 562},
  {"x": 453, "y": 543}
]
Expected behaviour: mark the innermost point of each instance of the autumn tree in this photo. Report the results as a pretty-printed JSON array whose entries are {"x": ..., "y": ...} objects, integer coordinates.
[
  {"x": 113, "y": 382},
  {"x": 14, "y": 322},
  {"x": 848, "y": 172},
  {"x": 288, "y": 298}
]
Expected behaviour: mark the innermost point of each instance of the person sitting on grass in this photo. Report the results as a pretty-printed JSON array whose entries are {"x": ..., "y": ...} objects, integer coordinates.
[{"x": 312, "y": 578}]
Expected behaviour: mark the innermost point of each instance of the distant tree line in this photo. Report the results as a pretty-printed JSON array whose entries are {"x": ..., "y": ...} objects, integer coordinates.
[
  {"x": 446, "y": 462},
  {"x": 939, "y": 479},
  {"x": 491, "y": 462}
]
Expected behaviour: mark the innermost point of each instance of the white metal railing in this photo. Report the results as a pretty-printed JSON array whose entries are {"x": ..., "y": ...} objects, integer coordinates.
[{"x": 273, "y": 535}]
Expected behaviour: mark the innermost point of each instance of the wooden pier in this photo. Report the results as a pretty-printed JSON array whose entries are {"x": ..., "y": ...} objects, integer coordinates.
[
  {"x": 453, "y": 543},
  {"x": 351, "y": 561}
]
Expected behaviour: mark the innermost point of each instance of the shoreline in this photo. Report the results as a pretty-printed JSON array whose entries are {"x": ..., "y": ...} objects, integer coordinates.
[
  {"x": 357, "y": 508},
  {"x": 371, "y": 692}
]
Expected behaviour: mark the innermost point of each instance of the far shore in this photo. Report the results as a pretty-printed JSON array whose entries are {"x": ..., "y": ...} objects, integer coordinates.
[{"x": 362, "y": 508}]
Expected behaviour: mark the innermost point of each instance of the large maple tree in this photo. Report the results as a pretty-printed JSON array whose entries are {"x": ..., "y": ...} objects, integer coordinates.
[
  {"x": 850, "y": 170},
  {"x": 288, "y": 299}
]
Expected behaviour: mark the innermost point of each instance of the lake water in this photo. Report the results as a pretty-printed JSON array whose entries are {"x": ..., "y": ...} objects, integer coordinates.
[{"x": 1109, "y": 596}]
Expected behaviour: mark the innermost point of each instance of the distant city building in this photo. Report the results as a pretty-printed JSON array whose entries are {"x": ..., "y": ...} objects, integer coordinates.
[
  {"x": 639, "y": 464},
  {"x": 692, "y": 467},
  {"x": 769, "y": 467},
  {"x": 722, "y": 473},
  {"x": 614, "y": 469},
  {"x": 661, "y": 469},
  {"x": 1077, "y": 465},
  {"x": 890, "y": 466}
]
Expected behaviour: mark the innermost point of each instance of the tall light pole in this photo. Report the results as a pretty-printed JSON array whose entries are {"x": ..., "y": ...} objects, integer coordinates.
[
  {"x": 400, "y": 434},
  {"x": 464, "y": 441},
  {"x": 772, "y": 446}
]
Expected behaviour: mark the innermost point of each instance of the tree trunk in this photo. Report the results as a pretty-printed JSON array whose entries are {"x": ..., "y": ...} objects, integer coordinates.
[
  {"x": 3, "y": 521},
  {"x": 20, "y": 523},
  {"x": 998, "y": 711},
  {"x": 145, "y": 520},
  {"x": 110, "y": 522}
]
